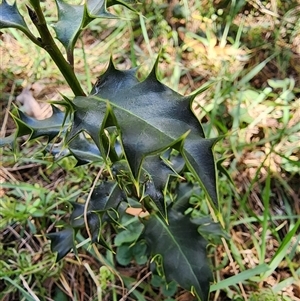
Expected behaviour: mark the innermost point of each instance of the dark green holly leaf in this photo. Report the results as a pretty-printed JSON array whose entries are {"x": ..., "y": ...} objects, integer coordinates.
[
  {"x": 183, "y": 251},
  {"x": 113, "y": 81},
  {"x": 62, "y": 242},
  {"x": 69, "y": 24},
  {"x": 94, "y": 223},
  {"x": 76, "y": 218},
  {"x": 11, "y": 17},
  {"x": 126, "y": 3},
  {"x": 159, "y": 173},
  {"x": 22, "y": 129},
  {"x": 156, "y": 196},
  {"x": 151, "y": 118},
  {"x": 97, "y": 8},
  {"x": 49, "y": 127},
  {"x": 158, "y": 170},
  {"x": 184, "y": 192},
  {"x": 177, "y": 162},
  {"x": 120, "y": 168},
  {"x": 57, "y": 150},
  {"x": 105, "y": 196},
  {"x": 84, "y": 150},
  {"x": 199, "y": 159}
]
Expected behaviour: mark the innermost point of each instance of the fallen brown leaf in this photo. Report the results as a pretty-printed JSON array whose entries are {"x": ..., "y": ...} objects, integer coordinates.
[{"x": 30, "y": 106}]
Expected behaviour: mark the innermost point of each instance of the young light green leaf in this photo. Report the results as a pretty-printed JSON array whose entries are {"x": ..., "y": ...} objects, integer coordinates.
[
  {"x": 124, "y": 254},
  {"x": 183, "y": 251},
  {"x": 128, "y": 252},
  {"x": 139, "y": 252},
  {"x": 131, "y": 233}
]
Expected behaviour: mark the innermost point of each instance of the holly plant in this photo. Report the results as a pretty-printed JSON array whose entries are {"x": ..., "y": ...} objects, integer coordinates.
[{"x": 153, "y": 149}]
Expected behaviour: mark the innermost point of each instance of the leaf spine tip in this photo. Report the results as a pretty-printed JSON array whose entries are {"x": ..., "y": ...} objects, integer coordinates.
[{"x": 153, "y": 73}]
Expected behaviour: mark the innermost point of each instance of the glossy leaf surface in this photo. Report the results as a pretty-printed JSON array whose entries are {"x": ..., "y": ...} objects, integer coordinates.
[
  {"x": 150, "y": 118},
  {"x": 97, "y": 8},
  {"x": 159, "y": 173},
  {"x": 106, "y": 196},
  {"x": 84, "y": 150},
  {"x": 62, "y": 242},
  {"x": 49, "y": 127},
  {"x": 183, "y": 251},
  {"x": 11, "y": 17},
  {"x": 69, "y": 24}
]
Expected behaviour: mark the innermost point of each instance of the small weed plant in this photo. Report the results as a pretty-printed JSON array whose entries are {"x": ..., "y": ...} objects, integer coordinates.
[{"x": 149, "y": 146}]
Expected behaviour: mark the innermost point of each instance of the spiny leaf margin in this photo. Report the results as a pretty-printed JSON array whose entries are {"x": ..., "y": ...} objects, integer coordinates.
[{"x": 171, "y": 122}]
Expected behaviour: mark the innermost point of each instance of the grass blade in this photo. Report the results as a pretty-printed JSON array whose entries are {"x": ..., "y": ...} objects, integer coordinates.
[
  {"x": 245, "y": 275},
  {"x": 255, "y": 71},
  {"x": 282, "y": 250},
  {"x": 22, "y": 291}
]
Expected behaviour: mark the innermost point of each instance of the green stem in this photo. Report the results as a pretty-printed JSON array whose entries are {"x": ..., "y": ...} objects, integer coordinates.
[
  {"x": 31, "y": 37},
  {"x": 50, "y": 46}
]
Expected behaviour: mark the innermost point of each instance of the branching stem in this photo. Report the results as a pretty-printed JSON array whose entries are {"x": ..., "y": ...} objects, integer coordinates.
[{"x": 48, "y": 43}]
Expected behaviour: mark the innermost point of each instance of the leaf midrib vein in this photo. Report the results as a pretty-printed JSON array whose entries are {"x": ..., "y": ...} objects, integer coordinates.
[{"x": 176, "y": 243}]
